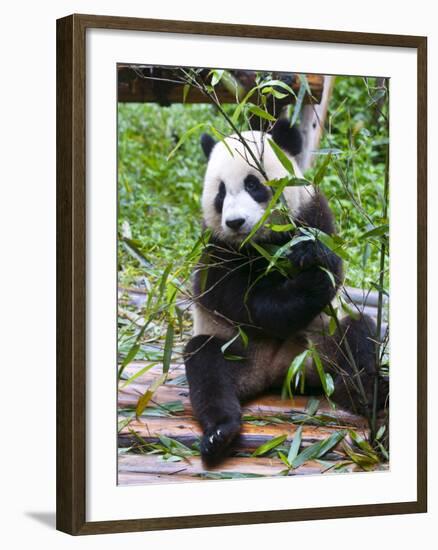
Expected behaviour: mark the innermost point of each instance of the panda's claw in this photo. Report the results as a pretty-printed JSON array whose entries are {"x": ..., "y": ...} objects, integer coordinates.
[{"x": 215, "y": 442}]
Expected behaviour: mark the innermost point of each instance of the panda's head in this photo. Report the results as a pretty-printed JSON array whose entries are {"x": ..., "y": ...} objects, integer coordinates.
[{"x": 234, "y": 196}]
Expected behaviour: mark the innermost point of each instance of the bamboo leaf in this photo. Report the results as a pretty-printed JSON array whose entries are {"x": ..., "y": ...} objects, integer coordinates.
[
  {"x": 383, "y": 450},
  {"x": 274, "y": 92},
  {"x": 168, "y": 346},
  {"x": 221, "y": 138},
  {"x": 312, "y": 406},
  {"x": 364, "y": 445},
  {"x": 267, "y": 211},
  {"x": 332, "y": 326},
  {"x": 186, "y": 89},
  {"x": 317, "y": 450},
  {"x": 381, "y": 231},
  {"x": 295, "y": 446},
  {"x": 132, "y": 247},
  {"x": 282, "y": 249},
  {"x": 294, "y": 368},
  {"x": 228, "y": 344},
  {"x": 282, "y": 157},
  {"x": 184, "y": 138},
  {"x": 298, "y": 103},
  {"x": 269, "y": 445},
  {"x": 241, "y": 105},
  {"x": 129, "y": 357},
  {"x": 163, "y": 279},
  {"x": 364, "y": 461},
  {"x": 243, "y": 336},
  {"x": 279, "y": 84},
  {"x": 138, "y": 374},
  {"x": 305, "y": 83},
  {"x": 146, "y": 397},
  {"x": 283, "y": 458},
  {"x": 271, "y": 259},
  {"x": 281, "y": 227},
  {"x": 330, "y": 243},
  {"x": 352, "y": 312},
  {"x": 322, "y": 170},
  {"x": 330, "y": 274},
  {"x": 287, "y": 182},
  {"x": 217, "y": 75},
  {"x": 381, "y": 431},
  {"x": 325, "y": 377},
  {"x": 261, "y": 113}
]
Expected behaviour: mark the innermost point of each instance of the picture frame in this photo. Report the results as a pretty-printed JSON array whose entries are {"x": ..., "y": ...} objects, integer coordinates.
[{"x": 73, "y": 262}]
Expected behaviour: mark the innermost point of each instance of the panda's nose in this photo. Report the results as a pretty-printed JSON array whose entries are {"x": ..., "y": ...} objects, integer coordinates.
[{"x": 236, "y": 223}]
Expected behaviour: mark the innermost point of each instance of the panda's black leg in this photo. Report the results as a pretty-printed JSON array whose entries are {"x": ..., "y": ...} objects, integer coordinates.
[
  {"x": 213, "y": 393},
  {"x": 360, "y": 335}
]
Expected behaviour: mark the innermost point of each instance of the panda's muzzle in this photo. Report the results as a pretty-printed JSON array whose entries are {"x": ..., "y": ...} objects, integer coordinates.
[{"x": 235, "y": 224}]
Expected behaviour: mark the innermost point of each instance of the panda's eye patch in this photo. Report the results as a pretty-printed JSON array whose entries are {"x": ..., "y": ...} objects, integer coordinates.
[
  {"x": 255, "y": 188},
  {"x": 220, "y": 197}
]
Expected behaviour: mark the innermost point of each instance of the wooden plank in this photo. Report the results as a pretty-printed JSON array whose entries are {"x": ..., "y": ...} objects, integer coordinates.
[
  {"x": 146, "y": 84},
  {"x": 175, "y": 370},
  {"x": 133, "y": 477},
  {"x": 187, "y": 431},
  {"x": 126, "y": 479},
  {"x": 152, "y": 465},
  {"x": 266, "y": 405}
]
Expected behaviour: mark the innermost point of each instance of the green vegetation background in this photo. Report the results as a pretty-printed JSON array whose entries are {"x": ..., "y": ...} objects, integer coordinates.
[{"x": 159, "y": 199}]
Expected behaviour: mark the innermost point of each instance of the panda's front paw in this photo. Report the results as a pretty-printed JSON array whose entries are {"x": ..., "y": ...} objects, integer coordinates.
[
  {"x": 216, "y": 441},
  {"x": 305, "y": 254}
]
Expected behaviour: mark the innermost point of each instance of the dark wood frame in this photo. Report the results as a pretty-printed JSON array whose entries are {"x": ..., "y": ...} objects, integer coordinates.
[{"x": 71, "y": 269}]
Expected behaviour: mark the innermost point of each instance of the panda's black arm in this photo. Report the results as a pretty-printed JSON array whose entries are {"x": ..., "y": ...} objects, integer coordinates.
[
  {"x": 279, "y": 306},
  {"x": 315, "y": 214},
  {"x": 282, "y": 307}
]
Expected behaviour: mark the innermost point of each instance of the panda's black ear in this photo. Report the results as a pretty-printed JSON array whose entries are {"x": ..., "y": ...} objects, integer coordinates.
[
  {"x": 207, "y": 144},
  {"x": 287, "y": 137}
]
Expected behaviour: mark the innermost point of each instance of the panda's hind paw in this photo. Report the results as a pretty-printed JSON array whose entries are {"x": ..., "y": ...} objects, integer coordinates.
[{"x": 215, "y": 442}]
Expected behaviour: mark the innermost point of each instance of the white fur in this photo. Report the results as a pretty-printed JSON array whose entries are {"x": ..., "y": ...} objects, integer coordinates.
[{"x": 232, "y": 170}]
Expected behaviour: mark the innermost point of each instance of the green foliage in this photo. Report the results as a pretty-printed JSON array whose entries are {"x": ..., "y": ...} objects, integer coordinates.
[
  {"x": 159, "y": 199},
  {"x": 357, "y": 130}
]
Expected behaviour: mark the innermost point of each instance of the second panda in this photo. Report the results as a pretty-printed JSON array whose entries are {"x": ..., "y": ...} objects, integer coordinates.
[{"x": 281, "y": 315}]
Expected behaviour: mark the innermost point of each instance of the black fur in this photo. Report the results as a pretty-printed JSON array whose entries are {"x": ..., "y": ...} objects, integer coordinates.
[
  {"x": 360, "y": 335},
  {"x": 287, "y": 137},
  {"x": 207, "y": 144},
  {"x": 258, "y": 191},
  {"x": 220, "y": 197},
  {"x": 316, "y": 213},
  {"x": 213, "y": 394}
]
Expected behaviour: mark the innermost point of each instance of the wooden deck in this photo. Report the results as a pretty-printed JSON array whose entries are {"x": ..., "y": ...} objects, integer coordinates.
[{"x": 143, "y": 458}]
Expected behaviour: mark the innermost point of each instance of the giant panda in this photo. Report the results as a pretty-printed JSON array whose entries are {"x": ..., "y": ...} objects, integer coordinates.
[{"x": 281, "y": 314}]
